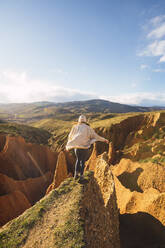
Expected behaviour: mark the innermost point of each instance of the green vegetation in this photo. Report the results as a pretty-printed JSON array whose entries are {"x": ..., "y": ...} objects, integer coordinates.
[
  {"x": 71, "y": 233},
  {"x": 157, "y": 160},
  {"x": 30, "y": 134},
  {"x": 158, "y": 134},
  {"x": 105, "y": 120},
  {"x": 16, "y": 232}
]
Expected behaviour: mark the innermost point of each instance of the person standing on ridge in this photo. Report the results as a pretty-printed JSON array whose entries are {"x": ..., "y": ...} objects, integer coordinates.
[{"x": 80, "y": 138}]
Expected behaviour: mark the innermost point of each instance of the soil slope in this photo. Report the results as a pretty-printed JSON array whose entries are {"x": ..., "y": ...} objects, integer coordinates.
[
  {"x": 66, "y": 218},
  {"x": 26, "y": 170}
]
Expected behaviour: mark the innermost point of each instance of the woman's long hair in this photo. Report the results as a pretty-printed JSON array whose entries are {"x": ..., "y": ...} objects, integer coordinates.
[{"x": 84, "y": 123}]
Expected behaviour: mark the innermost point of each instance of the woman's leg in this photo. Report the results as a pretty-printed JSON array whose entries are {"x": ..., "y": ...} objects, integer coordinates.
[
  {"x": 77, "y": 164},
  {"x": 81, "y": 156},
  {"x": 84, "y": 157}
]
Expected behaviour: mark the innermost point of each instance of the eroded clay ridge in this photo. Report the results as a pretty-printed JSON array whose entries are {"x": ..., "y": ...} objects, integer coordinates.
[
  {"x": 26, "y": 170},
  {"x": 100, "y": 208},
  {"x": 137, "y": 158},
  {"x": 76, "y": 214},
  {"x": 128, "y": 131}
]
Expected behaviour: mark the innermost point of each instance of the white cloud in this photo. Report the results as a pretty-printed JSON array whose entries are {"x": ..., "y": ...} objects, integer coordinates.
[
  {"x": 162, "y": 59},
  {"x": 59, "y": 70},
  {"x": 139, "y": 98},
  {"x": 156, "y": 32},
  {"x": 157, "y": 48},
  {"x": 134, "y": 85},
  {"x": 144, "y": 66},
  {"x": 157, "y": 20},
  {"x": 19, "y": 87},
  {"x": 159, "y": 70}
]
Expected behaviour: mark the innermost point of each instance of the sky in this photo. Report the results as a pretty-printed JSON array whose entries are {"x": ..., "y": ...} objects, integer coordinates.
[{"x": 67, "y": 50}]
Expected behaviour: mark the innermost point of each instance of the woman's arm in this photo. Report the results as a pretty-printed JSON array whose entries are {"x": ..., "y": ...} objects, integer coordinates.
[
  {"x": 71, "y": 133},
  {"x": 97, "y": 137}
]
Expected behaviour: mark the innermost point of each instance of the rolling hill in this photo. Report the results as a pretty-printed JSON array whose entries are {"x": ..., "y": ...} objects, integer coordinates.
[{"x": 29, "y": 112}]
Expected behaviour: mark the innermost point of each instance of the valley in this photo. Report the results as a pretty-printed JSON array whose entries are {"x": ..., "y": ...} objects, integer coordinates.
[{"x": 127, "y": 176}]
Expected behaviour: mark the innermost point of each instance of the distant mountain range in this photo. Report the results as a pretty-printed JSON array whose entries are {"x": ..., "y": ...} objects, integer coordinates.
[
  {"x": 40, "y": 110},
  {"x": 98, "y": 105}
]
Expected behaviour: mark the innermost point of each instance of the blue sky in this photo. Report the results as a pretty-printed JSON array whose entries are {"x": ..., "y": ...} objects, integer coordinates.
[{"x": 65, "y": 50}]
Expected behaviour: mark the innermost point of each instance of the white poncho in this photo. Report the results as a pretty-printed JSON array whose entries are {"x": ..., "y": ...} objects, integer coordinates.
[{"x": 82, "y": 136}]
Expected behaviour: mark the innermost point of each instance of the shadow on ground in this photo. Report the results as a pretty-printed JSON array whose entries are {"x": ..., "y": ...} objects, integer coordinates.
[
  {"x": 129, "y": 180},
  {"x": 141, "y": 230}
]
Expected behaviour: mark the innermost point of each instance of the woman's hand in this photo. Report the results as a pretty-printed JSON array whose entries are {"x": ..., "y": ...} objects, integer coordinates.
[{"x": 107, "y": 141}]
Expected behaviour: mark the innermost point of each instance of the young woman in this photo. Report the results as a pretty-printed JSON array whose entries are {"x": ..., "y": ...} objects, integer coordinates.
[{"x": 80, "y": 138}]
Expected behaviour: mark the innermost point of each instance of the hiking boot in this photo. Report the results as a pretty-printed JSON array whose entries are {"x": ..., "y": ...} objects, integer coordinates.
[
  {"x": 76, "y": 177},
  {"x": 81, "y": 179}
]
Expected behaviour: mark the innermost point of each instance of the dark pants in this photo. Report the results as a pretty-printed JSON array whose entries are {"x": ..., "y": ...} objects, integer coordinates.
[{"x": 81, "y": 156}]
